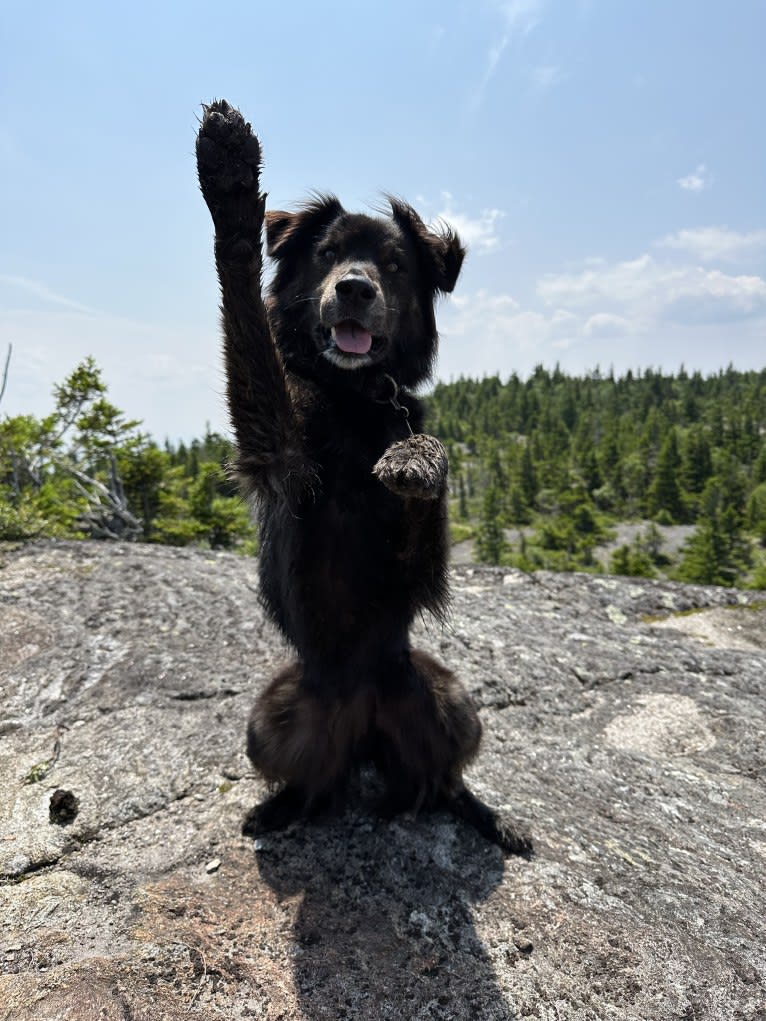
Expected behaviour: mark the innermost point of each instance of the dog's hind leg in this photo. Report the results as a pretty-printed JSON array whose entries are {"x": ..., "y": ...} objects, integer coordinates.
[
  {"x": 306, "y": 743},
  {"x": 427, "y": 731}
]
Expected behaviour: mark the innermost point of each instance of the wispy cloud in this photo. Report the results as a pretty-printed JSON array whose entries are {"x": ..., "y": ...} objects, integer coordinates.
[
  {"x": 43, "y": 293},
  {"x": 521, "y": 16},
  {"x": 478, "y": 232},
  {"x": 518, "y": 19},
  {"x": 699, "y": 180},
  {"x": 709, "y": 244}
]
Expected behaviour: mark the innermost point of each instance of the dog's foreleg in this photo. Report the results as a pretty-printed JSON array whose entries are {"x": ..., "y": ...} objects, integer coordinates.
[{"x": 228, "y": 164}]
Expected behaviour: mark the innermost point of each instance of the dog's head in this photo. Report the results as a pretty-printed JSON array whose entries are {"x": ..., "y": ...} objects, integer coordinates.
[{"x": 355, "y": 293}]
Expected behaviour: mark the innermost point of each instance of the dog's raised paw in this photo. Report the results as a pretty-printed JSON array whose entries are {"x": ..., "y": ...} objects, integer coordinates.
[
  {"x": 228, "y": 153},
  {"x": 415, "y": 467}
]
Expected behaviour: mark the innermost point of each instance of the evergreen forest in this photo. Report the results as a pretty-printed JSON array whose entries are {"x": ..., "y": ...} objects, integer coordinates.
[
  {"x": 646, "y": 474},
  {"x": 547, "y": 472}
]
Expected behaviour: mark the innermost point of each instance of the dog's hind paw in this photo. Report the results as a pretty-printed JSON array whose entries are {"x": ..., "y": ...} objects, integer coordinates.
[
  {"x": 493, "y": 825},
  {"x": 288, "y": 805},
  {"x": 415, "y": 467},
  {"x": 276, "y": 813}
]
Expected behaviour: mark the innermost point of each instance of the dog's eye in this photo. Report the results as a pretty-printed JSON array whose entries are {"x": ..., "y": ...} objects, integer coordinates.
[
  {"x": 392, "y": 267},
  {"x": 329, "y": 255}
]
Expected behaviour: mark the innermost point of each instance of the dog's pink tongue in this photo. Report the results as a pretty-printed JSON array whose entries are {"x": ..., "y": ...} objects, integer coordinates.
[{"x": 350, "y": 337}]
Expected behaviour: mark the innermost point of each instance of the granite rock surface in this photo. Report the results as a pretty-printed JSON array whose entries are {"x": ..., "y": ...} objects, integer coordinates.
[{"x": 625, "y": 724}]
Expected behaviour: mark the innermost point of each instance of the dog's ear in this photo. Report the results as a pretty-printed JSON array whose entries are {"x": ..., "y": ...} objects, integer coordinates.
[
  {"x": 279, "y": 225},
  {"x": 441, "y": 251},
  {"x": 285, "y": 231}
]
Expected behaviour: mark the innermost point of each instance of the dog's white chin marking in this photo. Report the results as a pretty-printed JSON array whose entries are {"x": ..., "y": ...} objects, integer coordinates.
[{"x": 345, "y": 361}]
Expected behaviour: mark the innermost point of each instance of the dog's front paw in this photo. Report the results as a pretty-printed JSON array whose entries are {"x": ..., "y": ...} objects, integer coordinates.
[
  {"x": 228, "y": 164},
  {"x": 415, "y": 467}
]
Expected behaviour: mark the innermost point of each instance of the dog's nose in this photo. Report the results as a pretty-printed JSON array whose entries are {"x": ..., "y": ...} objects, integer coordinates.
[{"x": 355, "y": 287}]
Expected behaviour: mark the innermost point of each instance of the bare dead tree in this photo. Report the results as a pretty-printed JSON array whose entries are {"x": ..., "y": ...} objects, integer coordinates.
[
  {"x": 108, "y": 515},
  {"x": 5, "y": 371}
]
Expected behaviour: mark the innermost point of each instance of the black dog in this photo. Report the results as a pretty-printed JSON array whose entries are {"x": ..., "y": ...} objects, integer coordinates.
[{"x": 351, "y": 497}]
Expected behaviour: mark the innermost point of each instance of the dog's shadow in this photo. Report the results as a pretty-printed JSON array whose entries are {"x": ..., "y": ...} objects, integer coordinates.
[{"x": 385, "y": 928}]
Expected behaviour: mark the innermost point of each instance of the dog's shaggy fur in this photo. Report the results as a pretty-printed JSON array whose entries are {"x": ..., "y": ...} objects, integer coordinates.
[{"x": 350, "y": 495}]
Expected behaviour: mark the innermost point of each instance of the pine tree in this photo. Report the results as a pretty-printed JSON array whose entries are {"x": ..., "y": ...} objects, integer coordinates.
[
  {"x": 697, "y": 465},
  {"x": 619, "y": 562},
  {"x": 632, "y": 561},
  {"x": 490, "y": 540},
  {"x": 462, "y": 505},
  {"x": 591, "y": 471},
  {"x": 756, "y": 512},
  {"x": 494, "y": 467},
  {"x": 518, "y": 513},
  {"x": 528, "y": 477},
  {"x": 759, "y": 468},
  {"x": 610, "y": 456},
  {"x": 665, "y": 493},
  {"x": 716, "y": 552},
  {"x": 704, "y": 556},
  {"x": 650, "y": 542}
]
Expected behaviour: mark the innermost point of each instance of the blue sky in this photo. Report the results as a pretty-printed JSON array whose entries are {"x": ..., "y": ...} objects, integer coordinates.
[{"x": 604, "y": 160}]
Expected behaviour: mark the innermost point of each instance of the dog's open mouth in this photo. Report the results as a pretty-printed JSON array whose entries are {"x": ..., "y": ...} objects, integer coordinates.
[{"x": 351, "y": 337}]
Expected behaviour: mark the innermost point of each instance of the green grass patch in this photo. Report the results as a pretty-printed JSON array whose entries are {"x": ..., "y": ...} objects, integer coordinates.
[{"x": 460, "y": 532}]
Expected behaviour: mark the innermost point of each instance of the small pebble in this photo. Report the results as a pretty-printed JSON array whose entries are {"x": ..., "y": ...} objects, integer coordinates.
[{"x": 213, "y": 866}]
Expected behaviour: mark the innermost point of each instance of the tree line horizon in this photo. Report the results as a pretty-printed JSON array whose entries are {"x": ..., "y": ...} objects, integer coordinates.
[{"x": 542, "y": 470}]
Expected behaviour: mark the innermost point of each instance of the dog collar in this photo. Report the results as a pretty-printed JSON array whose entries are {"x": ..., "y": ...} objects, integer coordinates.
[{"x": 392, "y": 398}]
